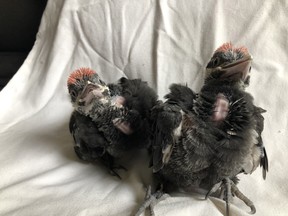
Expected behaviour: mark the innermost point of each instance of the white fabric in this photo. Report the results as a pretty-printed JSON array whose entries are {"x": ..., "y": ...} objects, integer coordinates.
[{"x": 161, "y": 42}]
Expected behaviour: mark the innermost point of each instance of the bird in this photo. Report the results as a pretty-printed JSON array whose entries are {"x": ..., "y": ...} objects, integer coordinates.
[
  {"x": 232, "y": 65},
  {"x": 109, "y": 120},
  {"x": 206, "y": 139}
]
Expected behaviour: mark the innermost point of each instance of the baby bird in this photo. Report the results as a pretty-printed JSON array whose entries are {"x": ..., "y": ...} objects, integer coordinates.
[
  {"x": 205, "y": 140},
  {"x": 109, "y": 119}
]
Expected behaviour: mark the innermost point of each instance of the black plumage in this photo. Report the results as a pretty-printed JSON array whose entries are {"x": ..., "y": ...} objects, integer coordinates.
[
  {"x": 205, "y": 140},
  {"x": 109, "y": 120},
  {"x": 89, "y": 143}
]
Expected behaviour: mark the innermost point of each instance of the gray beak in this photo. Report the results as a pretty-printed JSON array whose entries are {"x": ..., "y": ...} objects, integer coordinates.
[{"x": 237, "y": 70}]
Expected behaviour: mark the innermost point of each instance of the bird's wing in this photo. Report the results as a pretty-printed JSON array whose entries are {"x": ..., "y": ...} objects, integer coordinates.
[
  {"x": 258, "y": 155},
  {"x": 138, "y": 95},
  {"x": 263, "y": 160},
  {"x": 166, "y": 128},
  {"x": 181, "y": 95},
  {"x": 73, "y": 127},
  {"x": 89, "y": 141},
  {"x": 168, "y": 118},
  {"x": 137, "y": 99}
]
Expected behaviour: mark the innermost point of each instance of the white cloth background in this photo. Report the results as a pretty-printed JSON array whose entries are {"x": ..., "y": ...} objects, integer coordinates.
[{"x": 162, "y": 42}]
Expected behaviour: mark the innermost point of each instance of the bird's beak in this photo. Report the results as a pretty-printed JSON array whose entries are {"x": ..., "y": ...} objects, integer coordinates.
[
  {"x": 90, "y": 92},
  {"x": 238, "y": 69}
]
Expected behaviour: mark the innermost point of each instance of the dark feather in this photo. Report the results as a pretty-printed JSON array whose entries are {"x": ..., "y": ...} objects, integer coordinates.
[
  {"x": 182, "y": 96},
  {"x": 167, "y": 118},
  {"x": 89, "y": 141},
  {"x": 259, "y": 128},
  {"x": 264, "y": 163},
  {"x": 117, "y": 126},
  {"x": 215, "y": 138},
  {"x": 138, "y": 95}
]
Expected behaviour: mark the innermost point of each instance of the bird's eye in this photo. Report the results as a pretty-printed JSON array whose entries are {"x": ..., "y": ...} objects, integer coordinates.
[
  {"x": 101, "y": 82},
  {"x": 215, "y": 62},
  {"x": 250, "y": 69},
  {"x": 73, "y": 93}
]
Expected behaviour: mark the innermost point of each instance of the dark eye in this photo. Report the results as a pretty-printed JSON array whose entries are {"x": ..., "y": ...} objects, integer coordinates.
[
  {"x": 215, "y": 62},
  {"x": 73, "y": 93},
  {"x": 101, "y": 82}
]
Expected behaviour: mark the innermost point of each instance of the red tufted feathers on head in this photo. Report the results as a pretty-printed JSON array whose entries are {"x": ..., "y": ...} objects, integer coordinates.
[
  {"x": 229, "y": 47},
  {"x": 79, "y": 74},
  {"x": 225, "y": 47},
  {"x": 242, "y": 49}
]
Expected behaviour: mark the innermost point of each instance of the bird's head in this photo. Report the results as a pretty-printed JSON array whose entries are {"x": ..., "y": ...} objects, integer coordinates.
[
  {"x": 230, "y": 63},
  {"x": 84, "y": 86}
]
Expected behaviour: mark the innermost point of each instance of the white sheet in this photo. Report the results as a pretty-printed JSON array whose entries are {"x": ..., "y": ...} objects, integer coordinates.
[{"x": 159, "y": 41}]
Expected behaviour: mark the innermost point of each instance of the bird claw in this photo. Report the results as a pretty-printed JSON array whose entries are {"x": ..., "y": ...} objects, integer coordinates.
[
  {"x": 118, "y": 167},
  {"x": 225, "y": 184},
  {"x": 242, "y": 197},
  {"x": 213, "y": 189},
  {"x": 151, "y": 200},
  {"x": 228, "y": 189}
]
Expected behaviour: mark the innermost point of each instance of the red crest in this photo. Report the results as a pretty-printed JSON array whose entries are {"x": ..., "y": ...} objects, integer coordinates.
[
  {"x": 229, "y": 47},
  {"x": 79, "y": 74}
]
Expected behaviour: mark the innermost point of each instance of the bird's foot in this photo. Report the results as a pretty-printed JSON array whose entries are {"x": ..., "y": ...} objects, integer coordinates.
[
  {"x": 108, "y": 162},
  {"x": 242, "y": 197},
  {"x": 113, "y": 169},
  {"x": 151, "y": 200},
  {"x": 215, "y": 188},
  {"x": 228, "y": 189},
  {"x": 225, "y": 187}
]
